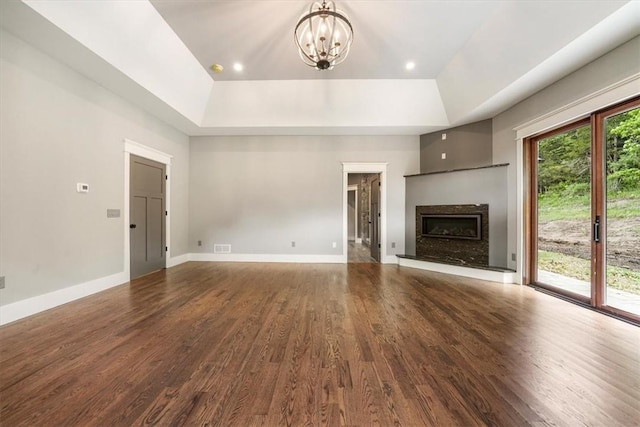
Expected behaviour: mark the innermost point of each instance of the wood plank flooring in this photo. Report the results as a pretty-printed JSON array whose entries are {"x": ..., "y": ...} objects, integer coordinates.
[
  {"x": 234, "y": 344},
  {"x": 359, "y": 252}
]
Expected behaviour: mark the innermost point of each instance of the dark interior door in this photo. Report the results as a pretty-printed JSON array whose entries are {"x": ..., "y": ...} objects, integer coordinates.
[
  {"x": 148, "y": 216},
  {"x": 375, "y": 218}
]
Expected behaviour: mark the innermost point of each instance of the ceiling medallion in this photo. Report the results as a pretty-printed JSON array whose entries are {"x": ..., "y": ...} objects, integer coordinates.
[{"x": 323, "y": 36}]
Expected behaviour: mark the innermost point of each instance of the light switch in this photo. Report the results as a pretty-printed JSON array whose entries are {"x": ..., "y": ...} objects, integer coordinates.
[{"x": 82, "y": 187}]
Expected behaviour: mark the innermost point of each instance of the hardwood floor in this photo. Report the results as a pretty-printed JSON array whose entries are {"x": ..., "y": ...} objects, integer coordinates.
[
  {"x": 359, "y": 252},
  {"x": 280, "y": 344}
]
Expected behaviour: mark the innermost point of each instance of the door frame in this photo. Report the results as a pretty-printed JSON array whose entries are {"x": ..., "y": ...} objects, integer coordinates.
[
  {"x": 598, "y": 208},
  {"x": 359, "y": 167},
  {"x": 531, "y": 207},
  {"x": 580, "y": 108},
  {"x": 140, "y": 150}
]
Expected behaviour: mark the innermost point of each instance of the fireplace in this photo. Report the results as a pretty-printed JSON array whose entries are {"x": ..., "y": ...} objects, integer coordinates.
[
  {"x": 457, "y": 234},
  {"x": 452, "y": 226}
]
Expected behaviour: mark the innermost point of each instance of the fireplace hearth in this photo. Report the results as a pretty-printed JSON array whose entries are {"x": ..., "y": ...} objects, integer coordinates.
[{"x": 457, "y": 234}]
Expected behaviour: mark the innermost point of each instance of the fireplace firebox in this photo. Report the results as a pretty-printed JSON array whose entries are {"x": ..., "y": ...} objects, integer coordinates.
[
  {"x": 455, "y": 234},
  {"x": 452, "y": 226}
]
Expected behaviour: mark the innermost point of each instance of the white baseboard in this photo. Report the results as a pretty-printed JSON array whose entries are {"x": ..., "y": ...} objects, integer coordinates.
[
  {"x": 474, "y": 273},
  {"x": 177, "y": 260},
  {"x": 292, "y": 258},
  {"x": 30, "y": 306},
  {"x": 389, "y": 259}
]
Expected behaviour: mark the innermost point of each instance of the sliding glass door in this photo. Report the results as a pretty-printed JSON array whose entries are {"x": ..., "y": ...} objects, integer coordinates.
[
  {"x": 622, "y": 166},
  {"x": 583, "y": 236},
  {"x": 563, "y": 162}
]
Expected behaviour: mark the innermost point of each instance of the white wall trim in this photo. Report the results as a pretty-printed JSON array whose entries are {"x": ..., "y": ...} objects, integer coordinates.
[
  {"x": 30, "y": 306},
  {"x": 389, "y": 259},
  {"x": 474, "y": 273},
  {"x": 135, "y": 148},
  {"x": 147, "y": 152},
  {"x": 177, "y": 260},
  {"x": 279, "y": 258},
  {"x": 580, "y": 108},
  {"x": 355, "y": 167}
]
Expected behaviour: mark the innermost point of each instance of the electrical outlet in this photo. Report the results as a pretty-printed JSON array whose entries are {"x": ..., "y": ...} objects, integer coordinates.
[
  {"x": 2, "y": 282},
  {"x": 199, "y": 242},
  {"x": 393, "y": 245},
  {"x": 513, "y": 257},
  {"x": 444, "y": 136},
  {"x": 444, "y": 156},
  {"x": 293, "y": 244}
]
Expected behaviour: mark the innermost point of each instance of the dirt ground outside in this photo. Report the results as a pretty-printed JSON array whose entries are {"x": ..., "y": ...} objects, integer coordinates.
[{"x": 573, "y": 237}]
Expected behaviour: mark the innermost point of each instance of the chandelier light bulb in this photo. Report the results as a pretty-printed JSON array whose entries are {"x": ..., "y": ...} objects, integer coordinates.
[{"x": 323, "y": 35}]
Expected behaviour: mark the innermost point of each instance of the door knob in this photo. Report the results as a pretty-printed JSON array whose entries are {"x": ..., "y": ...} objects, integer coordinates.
[{"x": 132, "y": 226}]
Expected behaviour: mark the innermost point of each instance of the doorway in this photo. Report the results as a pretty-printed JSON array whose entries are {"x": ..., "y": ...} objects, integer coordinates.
[
  {"x": 583, "y": 215},
  {"x": 147, "y": 213},
  {"x": 363, "y": 218}
]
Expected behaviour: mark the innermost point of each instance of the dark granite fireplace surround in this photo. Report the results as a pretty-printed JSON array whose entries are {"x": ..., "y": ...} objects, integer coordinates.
[{"x": 449, "y": 234}]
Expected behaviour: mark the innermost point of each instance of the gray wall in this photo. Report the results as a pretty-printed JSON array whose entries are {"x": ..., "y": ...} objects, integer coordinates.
[
  {"x": 611, "y": 68},
  {"x": 466, "y": 146},
  {"x": 259, "y": 193},
  {"x": 488, "y": 185},
  {"x": 59, "y": 128}
]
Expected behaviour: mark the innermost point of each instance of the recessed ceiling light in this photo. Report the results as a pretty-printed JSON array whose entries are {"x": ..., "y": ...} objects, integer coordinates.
[
  {"x": 410, "y": 65},
  {"x": 238, "y": 67}
]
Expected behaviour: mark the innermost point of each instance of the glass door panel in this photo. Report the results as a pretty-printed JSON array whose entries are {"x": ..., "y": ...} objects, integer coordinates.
[
  {"x": 622, "y": 138},
  {"x": 564, "y": 211}
]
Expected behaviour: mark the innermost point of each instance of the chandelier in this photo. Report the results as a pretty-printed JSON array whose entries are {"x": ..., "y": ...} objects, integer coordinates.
[{"x": 323, "y": 35}]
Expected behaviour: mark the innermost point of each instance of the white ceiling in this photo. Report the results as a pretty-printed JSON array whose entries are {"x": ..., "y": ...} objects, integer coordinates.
[
  {"x": 473, "y": 59},
  {"x": 387, "y": 34}
]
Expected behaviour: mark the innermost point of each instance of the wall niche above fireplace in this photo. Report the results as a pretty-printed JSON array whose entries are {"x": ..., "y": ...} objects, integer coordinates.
[{"x": 457, "y": 234}]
